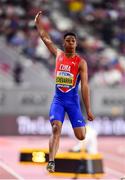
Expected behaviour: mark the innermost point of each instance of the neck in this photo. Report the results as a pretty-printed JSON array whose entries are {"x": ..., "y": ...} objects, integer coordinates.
[{"x": 70, "y": 54}]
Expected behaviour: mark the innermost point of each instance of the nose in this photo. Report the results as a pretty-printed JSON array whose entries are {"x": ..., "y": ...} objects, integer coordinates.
[{"x": 71, "y": 42}]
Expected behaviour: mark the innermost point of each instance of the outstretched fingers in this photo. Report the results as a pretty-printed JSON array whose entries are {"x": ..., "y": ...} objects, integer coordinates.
[{"x": 37, "y": 16}]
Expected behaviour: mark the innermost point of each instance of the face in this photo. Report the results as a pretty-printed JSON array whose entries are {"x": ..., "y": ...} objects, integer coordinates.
[{"x": 70, "y": 43}]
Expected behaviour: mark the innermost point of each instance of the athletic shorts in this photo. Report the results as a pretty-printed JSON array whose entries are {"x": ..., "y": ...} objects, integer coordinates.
[{"x": 71, "y": 106}]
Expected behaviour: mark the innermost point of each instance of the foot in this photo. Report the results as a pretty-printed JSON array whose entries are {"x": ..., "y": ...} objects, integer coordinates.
[{"x": 51, "y": 166}]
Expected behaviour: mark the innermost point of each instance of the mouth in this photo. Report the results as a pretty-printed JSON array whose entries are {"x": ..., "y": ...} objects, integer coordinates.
[{"x": 71, "y": 47}]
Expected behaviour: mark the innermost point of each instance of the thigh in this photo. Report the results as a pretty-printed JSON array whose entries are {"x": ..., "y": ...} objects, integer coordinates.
[
  {"x": 75, "y": 116},
  {"x": 56, "y": 112}
]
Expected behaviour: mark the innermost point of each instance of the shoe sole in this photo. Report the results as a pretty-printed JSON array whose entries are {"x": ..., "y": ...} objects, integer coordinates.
[{"x": 50, "y": 170}]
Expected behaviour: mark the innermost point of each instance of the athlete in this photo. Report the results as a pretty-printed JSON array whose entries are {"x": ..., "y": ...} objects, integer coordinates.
[{"x": 70, "y": 70}]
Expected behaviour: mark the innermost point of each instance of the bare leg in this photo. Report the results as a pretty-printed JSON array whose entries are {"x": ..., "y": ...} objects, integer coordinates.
[
  {"x": 54, "y": 144},
  {"x": 54, "y": 139},
  {"x": 80, "y": 132}
]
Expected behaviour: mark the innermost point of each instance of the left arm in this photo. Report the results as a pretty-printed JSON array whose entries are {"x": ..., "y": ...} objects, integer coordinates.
[{"x": 85, "y": 88}]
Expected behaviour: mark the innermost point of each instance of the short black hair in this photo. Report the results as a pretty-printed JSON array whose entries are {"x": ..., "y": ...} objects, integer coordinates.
[{"x": 69, "y": 34}]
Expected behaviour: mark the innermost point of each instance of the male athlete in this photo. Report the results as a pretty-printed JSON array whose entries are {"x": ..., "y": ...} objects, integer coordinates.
[{"x": 70, "y": 69}]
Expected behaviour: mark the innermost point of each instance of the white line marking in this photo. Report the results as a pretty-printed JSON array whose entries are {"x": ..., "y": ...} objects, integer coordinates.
[
  {"x": 114, "y": 172},
  {"x": 9, "y": 170},
  {"x": 113, "y": 157}
]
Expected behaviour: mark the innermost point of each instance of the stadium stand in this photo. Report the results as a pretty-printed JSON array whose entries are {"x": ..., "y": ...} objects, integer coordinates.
[{"x": 98, "y": 24}]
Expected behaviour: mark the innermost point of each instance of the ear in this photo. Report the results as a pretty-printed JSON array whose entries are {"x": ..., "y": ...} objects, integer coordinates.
[{"x": 76, "y": 43}]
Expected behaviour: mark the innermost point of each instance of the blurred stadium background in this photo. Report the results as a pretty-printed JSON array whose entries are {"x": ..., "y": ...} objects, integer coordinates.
[{"x": 27, "y": 77}]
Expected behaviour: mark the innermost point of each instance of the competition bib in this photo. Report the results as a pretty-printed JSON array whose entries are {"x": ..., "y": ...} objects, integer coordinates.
[{"x": 64, "y": 79}]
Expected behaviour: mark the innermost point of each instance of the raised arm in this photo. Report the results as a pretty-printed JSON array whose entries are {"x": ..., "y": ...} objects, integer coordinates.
[
  {"x": 44, "y": 35},
  {"x": 85, "y": 88}
]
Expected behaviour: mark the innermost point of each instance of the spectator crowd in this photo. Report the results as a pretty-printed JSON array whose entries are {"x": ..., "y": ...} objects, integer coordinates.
[{"x": 99, "y": 25}]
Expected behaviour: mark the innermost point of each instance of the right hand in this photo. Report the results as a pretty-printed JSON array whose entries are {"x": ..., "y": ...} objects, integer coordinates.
[{"x": 37, "y": 17}]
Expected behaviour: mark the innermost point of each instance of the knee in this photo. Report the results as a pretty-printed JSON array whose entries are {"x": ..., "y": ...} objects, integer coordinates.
[
  {"x": 80, "y": 136},
  {"x": 56, "y": 129},
  {"x": 80, "y": 133}
]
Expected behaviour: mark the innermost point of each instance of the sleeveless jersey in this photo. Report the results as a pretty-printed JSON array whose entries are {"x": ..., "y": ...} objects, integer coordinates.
[{"x": 67, "y": 74}]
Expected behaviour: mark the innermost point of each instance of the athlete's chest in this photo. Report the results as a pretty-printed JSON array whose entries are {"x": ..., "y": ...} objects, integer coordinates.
[
  {"x": 65, "y": 64},
  {"x": 67, "y": 70}
]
